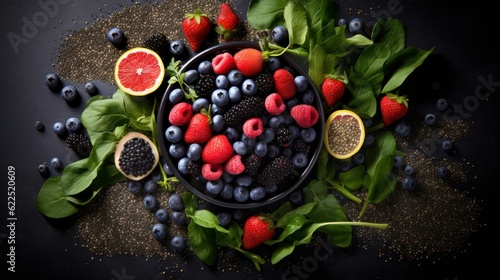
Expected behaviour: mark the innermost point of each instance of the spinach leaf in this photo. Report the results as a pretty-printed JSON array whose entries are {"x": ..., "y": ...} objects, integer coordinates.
[
  {"x": 296, "y": 23},
  {"x": 363, "y": 101},
  {"x": 353, "y": 178},
  {"x": 51, "y": 200},
  {"x": 264, "y": 14},
  {"x": 390, "y": 32},
  {"x": 202, "y": 241}
]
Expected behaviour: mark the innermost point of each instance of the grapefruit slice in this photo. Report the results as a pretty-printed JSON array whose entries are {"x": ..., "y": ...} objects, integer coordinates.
[
  {"x": 139, "y": 71},
  {"x": 344, "y": 134}
]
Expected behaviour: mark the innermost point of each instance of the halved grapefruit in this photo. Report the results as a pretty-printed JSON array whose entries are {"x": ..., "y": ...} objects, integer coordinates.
[
  {"x": 344, "y": 134},
  {"x": 139, "y": 71}
]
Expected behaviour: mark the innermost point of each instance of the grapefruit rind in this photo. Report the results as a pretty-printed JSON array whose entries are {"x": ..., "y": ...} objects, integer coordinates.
[
  {"x": 354, "y": 148},
  {"x": 150, "y": 64}
]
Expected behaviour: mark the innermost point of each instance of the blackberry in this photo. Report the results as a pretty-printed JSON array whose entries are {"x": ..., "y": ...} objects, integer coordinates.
[
  {"x": 194, "y": 168},
  {"x": 159, "y": 44},
  {"x": 252, "y": 164},
  {"x": 265, "y": 83},
  {"x": 300, "y": 146},
  {"x": 80, "y": 143},
  {"x": 274, "y": 172},
  {"x": 250, "y": 107},
  {"x": 205, "y": 85},
  {"x": 284, "y": 137}
]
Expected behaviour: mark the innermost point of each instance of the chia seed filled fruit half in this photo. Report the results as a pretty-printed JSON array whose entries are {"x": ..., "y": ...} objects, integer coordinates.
[
  {"x": 344, "y": 134},
  {"x": 136, "y": 156}
]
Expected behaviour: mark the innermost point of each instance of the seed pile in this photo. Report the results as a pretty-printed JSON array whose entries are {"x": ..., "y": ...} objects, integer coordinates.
[{"x": 341, "y": 134}]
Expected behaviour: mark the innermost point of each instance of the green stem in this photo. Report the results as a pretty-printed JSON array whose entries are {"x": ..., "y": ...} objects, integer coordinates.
[
  {"x": 363, "y": 209},
  {"x": 336, "y": 186},
  {"x": 374, "y": 128},
  {"x": 363, "y": 224}
]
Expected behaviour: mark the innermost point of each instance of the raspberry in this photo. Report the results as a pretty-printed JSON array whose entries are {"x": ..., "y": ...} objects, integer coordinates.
[
  {"x": 274, "y": 104},
  {"x": 253, "y": 127},
  {"x": 305, "y": 115},
  {"x": 223, "y": 63},
  {"x": 211, "y": 172},
  {"x": 180, "y": 114},
  {"x": 234, "y": 166}
]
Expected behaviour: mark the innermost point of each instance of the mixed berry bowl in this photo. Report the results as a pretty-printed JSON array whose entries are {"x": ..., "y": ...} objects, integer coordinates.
[{"x": 260, "y": 145}]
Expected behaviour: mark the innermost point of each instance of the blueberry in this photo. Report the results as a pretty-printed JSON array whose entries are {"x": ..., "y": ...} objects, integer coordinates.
[
  {"x": 56, "y": 163},
  {"x": 398, "y": 161},
  {"x": 344, "y": 165},
  {"x": 240, "y": 148},
  {"x": 161, "y": 215},
  {"x": 279, "y": 35},
  {"x": 70, "y": 94},
  {"x": 276, "y": 121},
  {"x": 237, "y": 214},
  {"x": 260, "y": 148},
  {"x": 272, "y": 189},
  {"x": 194, "y": 151},
  {"x": 173, "y": 134},
  {"x": 430, "y": 119},
  {"x": 441, "y": 104},
  {"x": 235, "y": 94},
  {"x": 307, "y": 135},
  {"x": 39, "y": 126},
  {"x": 273, "y": 63},
  {"x": 175, "y": 202},
  {"x": 59, "y": 128},
  {"x": 178, "y": 243},
  {"x": 179, "y": 217},
  {"x": 199, "y": 104},
  {"x": 358, "y": 159},
  {"x": 356, "y": 26},
  {"x": 116, "y": 36},
  {"x": 91, "y": 88},
  {"x": 369, "y": 140},
  {"x": 296, "y": 198},
  {"x": 177, "y": 48},
  {"x": 403, "y": 129},
  {"x": 299, "y": 160},
  {"x": 150, "y": 186},
  {"x": 409, "y": 183},
  {"x": 287, "y": 152},
  {"x": 292, "y": 102},
  {"x": 342, "y": 21},
  {"x": 227, "y": 191},
  {"x": 273, "y": 150},
  {"x": 43, "y": 169},
  {"x": 159, "y": 231},
  {"x": 176, "y": 95},
  {"x": 248, "y": 87},
  {"x": 224, "y": 218},
  {"x": 227, "y": 178},
  {"x": 73, "y": 124},
  {"x": 205, "y": 67},
  {"x": 217, "y": 110},
  {"x": 235, "y": 77},
  {"x": 301, "y": 83},
  {"x": 409, "y": 170},
  {"x": 267, "y": 135},
  {"x": 134, "y": 186},
  {"x": 257, "y": 193},
  {"x": 447, "y": 145},
  {"x": 214, "y": 187},
  {"x": 177, "y": 150},
  {"x": 367, "y": 122},
  {"x": 218, "y": 123},
  {"x": 249, "y": 142},
  {"x": 53, "y": 81},
  {"x": 232, "y": 134},
  {"x": 442, "y": 172},
  {"x": 167, "y": 170},
  {"x": 308, "y": 97},
  {"x": 241, "y": 194},
  {"x": 295, "y": 130},
  {"x": 191, "y": 76},
  {"x": 149, "y": 201},
  {"x": 244, "y": 180}
]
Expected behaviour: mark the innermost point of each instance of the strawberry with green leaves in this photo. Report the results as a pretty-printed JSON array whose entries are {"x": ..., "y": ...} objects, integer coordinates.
[
  {"x": 332, "y": 88},
  {"x": 257, "y": 230},
  {"x": 227, "y": 22},
  {"x": 196, "y": 27},
  {"x": 393, "y": 108},
  {"x": 199, "y": 128}
]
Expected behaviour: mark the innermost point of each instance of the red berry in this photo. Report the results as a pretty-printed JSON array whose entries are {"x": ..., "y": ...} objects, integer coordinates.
[
  {"x": 332, "y": 89},
  {"x": 274, "y": 104},
  {"x": 284, "y": 83},
  {"x": 223, "y": 63},
  {"x": 392, "y": 108},
  {"x": 253, "y": 127},
  {"x": 234, "y": 166},
  {"x": 305, "y": 115},
  {"x": 217, "y": 150},
  {"x": 199, "y": 129},
  {"x": 227, "y": 22},
  {"x": 249, "y": 61},
  {"x": 211, "y": 172},
  {"x": 196, "y": 27},
  {"x": 180, "y": 114},
  {"x": 256, "y": 230}
]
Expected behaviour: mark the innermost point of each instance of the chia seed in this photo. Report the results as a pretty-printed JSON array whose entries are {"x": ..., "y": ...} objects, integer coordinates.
[{"x": 342, "y": 133}]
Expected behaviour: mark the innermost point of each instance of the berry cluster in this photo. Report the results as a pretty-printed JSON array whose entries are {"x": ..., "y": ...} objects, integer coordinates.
[{"x": 248, "y": 131}]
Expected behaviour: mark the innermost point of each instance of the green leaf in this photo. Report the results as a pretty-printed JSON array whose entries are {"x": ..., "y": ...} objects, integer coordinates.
[
  {"x": 352, "y": 178},
  {"x": 362, "y": 101},
  {"x": 319, "y": 12},
  {"x": 265, "y": 14},
  {"x": 51, "y": 200},
  {"x": 104, "y": 115},
  {"x": 207, "y": 219},
  {"x": 370, "y": 65},
  {"x": 296, "y": 23},
  {"x": 76, "y": 177},
  {"x": 202, "y": 241},
  {"x": 389, "y": 32}
]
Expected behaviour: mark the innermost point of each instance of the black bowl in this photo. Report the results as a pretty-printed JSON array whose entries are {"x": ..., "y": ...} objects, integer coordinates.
[{"x": 196, "y": 186}]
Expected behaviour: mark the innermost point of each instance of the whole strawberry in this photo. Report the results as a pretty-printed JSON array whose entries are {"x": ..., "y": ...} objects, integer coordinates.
[
  {"x": 227, "y": 22},
  {"x": 199, "y": 129},
  {"x": 217, "y": 150},
  {"x": 332, "y": 89},
  {"x": 392, "y": 108},
  {"x": 196, "y": 27},
  {"x": 257, "y": 230},
  {"x": 249, "y": 61},
  {"x": 284, "y": 83}
]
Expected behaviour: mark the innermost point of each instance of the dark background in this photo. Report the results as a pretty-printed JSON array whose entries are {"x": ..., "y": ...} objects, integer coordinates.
[{"x": 464, "y": 37}]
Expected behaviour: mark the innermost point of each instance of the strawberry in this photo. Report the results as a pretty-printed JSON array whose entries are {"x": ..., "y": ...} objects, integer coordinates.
[
  {"x": 305, "y": 115},
  {"x": 180, "y": 114},
  {"x": 196, "y": 27},
  {"x": 249, "y": 61},
  {"x": 217, "y": 150},
  {"x": 392, "y": 108},
  {"x": 284, "y": 83},
  {"x": 333, "y": 89},
  {"x": 256, "y": 230},
  {"x": 227, "y": 22},
  {"x": 199, "y": 129}
]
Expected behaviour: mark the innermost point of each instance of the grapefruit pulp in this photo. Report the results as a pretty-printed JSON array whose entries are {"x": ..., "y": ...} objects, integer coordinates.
[{"x": 139, "y": 71}]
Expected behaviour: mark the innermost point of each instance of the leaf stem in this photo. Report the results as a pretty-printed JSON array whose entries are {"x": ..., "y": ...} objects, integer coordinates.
[
  {"x": 374, "y": 128},
  {"x": 339, "y": 188},
  {"x": 350, "y": 223}
]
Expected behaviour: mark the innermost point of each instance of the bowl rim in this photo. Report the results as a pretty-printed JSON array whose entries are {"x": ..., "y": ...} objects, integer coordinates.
[{"x": 161, "y": 120}]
